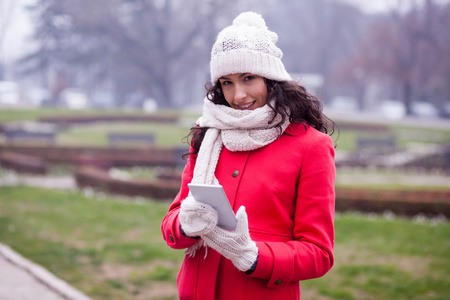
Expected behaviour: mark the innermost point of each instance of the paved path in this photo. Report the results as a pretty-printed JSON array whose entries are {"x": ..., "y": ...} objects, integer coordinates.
[
  {"x": 21, "y": 279},
  {"x": 61, "y": 182}
]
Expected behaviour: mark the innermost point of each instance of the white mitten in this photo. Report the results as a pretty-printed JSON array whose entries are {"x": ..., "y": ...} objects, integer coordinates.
[
  {"x": 236, "y": 245},
  {"x": 197, "y": 218}
]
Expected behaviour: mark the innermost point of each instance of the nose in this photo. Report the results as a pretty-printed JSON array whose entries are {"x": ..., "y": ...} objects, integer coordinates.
[{"x": 239, "y": 93}]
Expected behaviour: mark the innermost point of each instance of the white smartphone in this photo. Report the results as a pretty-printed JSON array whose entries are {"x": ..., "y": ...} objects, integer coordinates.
[{"x": 215, "y": 196}]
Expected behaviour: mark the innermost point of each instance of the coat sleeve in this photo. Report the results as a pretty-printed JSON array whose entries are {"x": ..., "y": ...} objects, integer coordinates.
[
  {"x": 170, "y": 226},
  {"x": 310, "y": 254}
]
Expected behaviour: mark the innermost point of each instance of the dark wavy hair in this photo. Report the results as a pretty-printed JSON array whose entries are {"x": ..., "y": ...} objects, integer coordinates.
[{"x": 292, "y": 101}]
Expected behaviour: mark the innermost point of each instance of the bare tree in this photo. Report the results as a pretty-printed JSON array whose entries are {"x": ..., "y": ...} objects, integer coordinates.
[
  {"x": 161, "y": 48},
  {"x": 132, "y": 45},
  {"x": 315, "y": 35},
  {"x": 403, "y": 49}
]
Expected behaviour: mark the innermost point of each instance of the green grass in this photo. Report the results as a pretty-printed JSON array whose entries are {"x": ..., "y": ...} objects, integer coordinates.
[
  {"x": 404, "y": 135},
  {"x": 111, "y": 248},
  {"x": 138, "y": 172},
  {"x": 170, "y": 134},
  {"x": 391, "y": 179},
  {"x": 347, "y": 140},
  {"x": 387, "y": 259},
  {"x": 7, "y": 115},
  {"x": 105, "y": 247},
  {"x": 422, "y": 135},
  {"x": 165, "y": 134}
]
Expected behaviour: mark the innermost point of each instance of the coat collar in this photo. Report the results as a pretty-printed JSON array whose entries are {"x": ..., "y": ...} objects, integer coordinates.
[{"x": 295, "y": 129}]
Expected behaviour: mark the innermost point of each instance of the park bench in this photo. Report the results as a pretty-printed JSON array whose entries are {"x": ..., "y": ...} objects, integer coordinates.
[
  {"x": 115, "y": 139},
  {"x": 369, "y": 151},
  {"x": 377, "y": 145},
  {"x": 29, "y": 136},
  {"x": 447, "y": 158}
]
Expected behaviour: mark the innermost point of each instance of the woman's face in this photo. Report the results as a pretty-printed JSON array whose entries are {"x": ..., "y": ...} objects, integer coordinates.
[{"x": 244, "y": 91}]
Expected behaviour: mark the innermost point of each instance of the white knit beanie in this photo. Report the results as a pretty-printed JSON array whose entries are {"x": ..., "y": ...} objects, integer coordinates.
[{"x": 247, "y": 46}]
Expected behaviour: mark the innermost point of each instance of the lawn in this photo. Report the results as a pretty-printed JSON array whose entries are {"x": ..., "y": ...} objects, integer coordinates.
[
  {"x": 166, "y": 134},
  {"x": 172, "y": 134},
  {"x": 96, "y": 134},
  {"x": 111, "y": 248},
  {"x": 7, "y": 115}
]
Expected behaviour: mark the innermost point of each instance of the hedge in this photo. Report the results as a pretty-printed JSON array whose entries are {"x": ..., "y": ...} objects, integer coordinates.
[
  {"x": 93, "y": 177},
  {"x": 117, "y": 157},
  {"x": 382, "y": 128},
  {"x": 402, "y": 202},
  {"x": 70, "y": 120},
  {"x": 93, "y": 164},
  {"x": 23, "y": 163},
  {"x": 407, "y": 202}
]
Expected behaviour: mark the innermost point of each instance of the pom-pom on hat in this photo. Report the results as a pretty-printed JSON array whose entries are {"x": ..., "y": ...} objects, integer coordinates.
[{"x": 247, "y": 46}]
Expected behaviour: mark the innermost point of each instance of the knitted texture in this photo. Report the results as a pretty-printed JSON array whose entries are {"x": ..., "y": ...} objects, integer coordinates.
[
  {"x": 236, "y": 245},
  {"x": 247, "y": 46},
  {"x": 238, "y": 130},
  {"x": 197, "y": 218}
]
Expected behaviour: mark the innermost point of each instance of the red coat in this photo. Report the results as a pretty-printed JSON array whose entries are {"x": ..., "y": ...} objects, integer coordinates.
[{"x": 287, "y": 188}]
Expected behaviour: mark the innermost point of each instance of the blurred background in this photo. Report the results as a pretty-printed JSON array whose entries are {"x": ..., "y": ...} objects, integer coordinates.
[
  {"x": 388, "y": 57},
  {"x": 96, "y": 98}
]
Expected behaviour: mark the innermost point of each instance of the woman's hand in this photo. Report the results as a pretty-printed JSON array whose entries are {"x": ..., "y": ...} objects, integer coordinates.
[
  {"x": 197, "y": 218},
  {"x": 236, "y": 245}
]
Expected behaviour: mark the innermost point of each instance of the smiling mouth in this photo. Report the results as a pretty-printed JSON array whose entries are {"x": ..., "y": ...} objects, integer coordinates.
[{"x": 246, "y": 106}]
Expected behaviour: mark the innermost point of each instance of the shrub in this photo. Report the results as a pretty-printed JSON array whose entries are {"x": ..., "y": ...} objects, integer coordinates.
[
  {"x": 97, "y": 178},
  {"x": 407, "y": 202},
  {"x": 23, "y": 163}
]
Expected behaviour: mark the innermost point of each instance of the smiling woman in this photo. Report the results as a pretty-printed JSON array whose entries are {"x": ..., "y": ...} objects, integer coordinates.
[
  {"x": 262, "y": 137},
  {"x": 244, "y": 91}
]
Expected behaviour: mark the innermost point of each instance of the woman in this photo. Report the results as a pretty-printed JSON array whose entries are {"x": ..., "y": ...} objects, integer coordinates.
[{"x": 263, "y": 138}]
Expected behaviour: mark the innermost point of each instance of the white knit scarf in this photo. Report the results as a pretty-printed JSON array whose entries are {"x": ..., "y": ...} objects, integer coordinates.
[{"x": 238, "y": 130}]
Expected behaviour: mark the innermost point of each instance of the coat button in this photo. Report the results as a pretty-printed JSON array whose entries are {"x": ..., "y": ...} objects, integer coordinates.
[
  {"x": 235, "y": 173},
  {"x": 278, "y": 282},
  {"x": 171, "y": 238}
]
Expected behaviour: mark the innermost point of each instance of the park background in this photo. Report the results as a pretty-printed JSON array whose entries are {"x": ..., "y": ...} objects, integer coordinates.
[{"x": 97, "y": 96}]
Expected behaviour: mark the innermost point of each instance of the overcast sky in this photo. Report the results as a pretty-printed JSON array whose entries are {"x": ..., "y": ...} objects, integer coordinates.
[
  {"x": 372, "y": 6},
  {"x": 376, "y": 6},
  {"x": 18, "y": 28}
]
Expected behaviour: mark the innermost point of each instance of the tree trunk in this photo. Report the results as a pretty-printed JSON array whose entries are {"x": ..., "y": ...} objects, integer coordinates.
[{"x": 407, "y": 100}]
